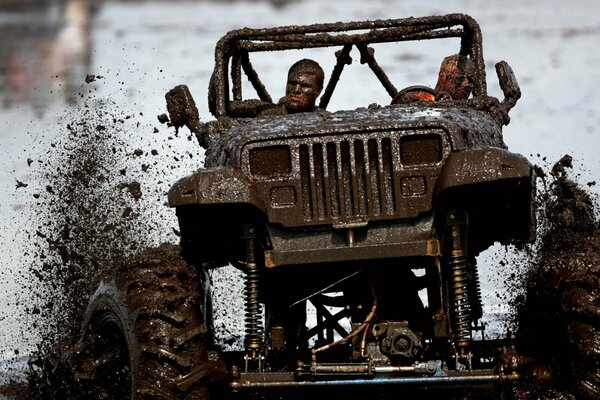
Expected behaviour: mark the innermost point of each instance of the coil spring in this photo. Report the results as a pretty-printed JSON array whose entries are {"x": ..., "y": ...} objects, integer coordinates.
[
  {"x": 253, "y": 308},
  {"x": 475, "y": 293},
  {"x": 459, "y": 298}
]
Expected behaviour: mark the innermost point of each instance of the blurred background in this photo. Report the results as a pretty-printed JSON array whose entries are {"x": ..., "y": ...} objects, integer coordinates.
[{"x": 137, "y": 50}]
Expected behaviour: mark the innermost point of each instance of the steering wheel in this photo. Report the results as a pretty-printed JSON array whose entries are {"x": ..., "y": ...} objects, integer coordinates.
[{"x": 414, "y": 93}]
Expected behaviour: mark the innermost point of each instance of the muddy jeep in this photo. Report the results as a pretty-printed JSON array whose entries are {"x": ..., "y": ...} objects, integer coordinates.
[{"x": 370, "y": 219}]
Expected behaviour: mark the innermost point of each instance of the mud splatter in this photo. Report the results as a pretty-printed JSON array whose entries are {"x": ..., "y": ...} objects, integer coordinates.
[
  {"x": 93, "y": 211},
  {"x": 134, "y": 188},
  {"x": 80, "y": 225},
  {"x": 99, "y": 199},
  {"x": 14, "y": 390},
  {"x": 559, "y": 318}
]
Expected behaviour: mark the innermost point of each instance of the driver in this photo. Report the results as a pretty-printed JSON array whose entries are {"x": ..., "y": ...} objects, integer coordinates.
[
  {"x": 304, "y": 84},
  {"x": 455, "y": 82}
]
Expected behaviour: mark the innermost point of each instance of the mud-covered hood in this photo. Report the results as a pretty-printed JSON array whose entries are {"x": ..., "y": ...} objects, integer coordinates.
[{"x": 467, "y": 127}]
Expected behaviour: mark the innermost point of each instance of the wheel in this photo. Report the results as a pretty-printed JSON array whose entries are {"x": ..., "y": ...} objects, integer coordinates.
[
  {"x": 107, "y": 361},
  {"x": 581, "y": 309},
  {"x": 144, "y": 333},
  {"x": 559, "y": 321},
  {"x": 559, "y": 328}
]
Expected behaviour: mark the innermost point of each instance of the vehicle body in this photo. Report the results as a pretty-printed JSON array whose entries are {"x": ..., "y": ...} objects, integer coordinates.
[
  {"x": 318, "y": 197},
  {"x": 338, "y": 210}
]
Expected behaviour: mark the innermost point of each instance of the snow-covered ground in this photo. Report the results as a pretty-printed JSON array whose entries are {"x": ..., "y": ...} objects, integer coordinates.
[{"x": 142, "y": 49}]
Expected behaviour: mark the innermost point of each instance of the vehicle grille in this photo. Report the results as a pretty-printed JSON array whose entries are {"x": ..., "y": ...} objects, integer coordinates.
[{"x": 348, "y": 179}]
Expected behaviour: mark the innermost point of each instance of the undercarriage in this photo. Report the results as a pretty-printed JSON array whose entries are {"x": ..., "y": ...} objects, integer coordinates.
[{"x": 367, "y": 325}]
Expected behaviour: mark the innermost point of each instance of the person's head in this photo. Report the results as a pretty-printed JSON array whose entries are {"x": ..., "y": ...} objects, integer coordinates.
[
  {"x": 304, "y": 84},
  {"x": 456, "y": 77}
]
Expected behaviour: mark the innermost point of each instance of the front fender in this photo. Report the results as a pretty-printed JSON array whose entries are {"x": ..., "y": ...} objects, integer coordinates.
[
  {"x": 211, "y": 186},
  {"x": 481, "y": 165},
  {"x": 496, "y": 187}
]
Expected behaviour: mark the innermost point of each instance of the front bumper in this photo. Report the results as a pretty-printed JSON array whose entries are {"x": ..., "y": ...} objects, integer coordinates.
[{"x": 429, "y": 376}]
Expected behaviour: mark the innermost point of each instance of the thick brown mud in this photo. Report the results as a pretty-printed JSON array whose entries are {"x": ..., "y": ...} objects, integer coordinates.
[
  {"x": 557, "y": 323},
  {"x": 159, "y": 289},
  {"x": 559, "y": 315},
  {"x": 87, "y": 216},
  {"x": 98, "y": 196},
  {"x": 91, "y": 212}
]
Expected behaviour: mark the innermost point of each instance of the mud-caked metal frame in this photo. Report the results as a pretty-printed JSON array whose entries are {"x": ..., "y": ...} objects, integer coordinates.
[{"x": 235, "y": 46}]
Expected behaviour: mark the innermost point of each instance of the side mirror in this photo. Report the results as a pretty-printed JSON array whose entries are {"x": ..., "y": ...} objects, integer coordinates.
[
  {"x": 509, "y": 85},
  {"x": 182, "y": 107},
  {"x": 183, "y": 111}
]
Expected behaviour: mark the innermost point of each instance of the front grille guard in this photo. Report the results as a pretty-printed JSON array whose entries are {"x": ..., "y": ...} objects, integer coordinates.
[{"x": 351, "y": 179}]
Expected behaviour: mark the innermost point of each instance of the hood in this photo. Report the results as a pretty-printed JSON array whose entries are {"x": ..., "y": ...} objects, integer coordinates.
[{"x": 467, "y": 127}]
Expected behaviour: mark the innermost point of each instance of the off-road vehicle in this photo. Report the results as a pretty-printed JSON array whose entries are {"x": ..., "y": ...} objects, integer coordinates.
[{"x": 373, "y": 216}]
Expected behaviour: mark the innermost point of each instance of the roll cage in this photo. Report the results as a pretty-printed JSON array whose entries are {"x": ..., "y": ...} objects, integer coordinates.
[{"x": 233, "y": 49}]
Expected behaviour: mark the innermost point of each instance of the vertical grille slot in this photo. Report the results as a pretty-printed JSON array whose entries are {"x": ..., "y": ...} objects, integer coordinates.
[
  {"x": 361, "y": 177},
  {"x": 319, "y": 179},
  {"x": 375, "y": 194},
  {"x": 387, "y": 176},
  {"x": 346, "y": 181},
  {"x": 305, "y": 182},
  {"x": 334, "y": 178}
]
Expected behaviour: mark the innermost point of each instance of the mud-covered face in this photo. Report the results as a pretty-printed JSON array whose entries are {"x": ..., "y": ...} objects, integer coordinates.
[
  {"x": 301, "y": 91},
  {"x": 454, "y": 82}
]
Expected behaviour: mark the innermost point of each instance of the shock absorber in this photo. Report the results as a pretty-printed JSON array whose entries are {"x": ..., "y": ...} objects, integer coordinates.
[
  {"x": 460, "y": 313},
  {"x": 253, "y": 341}
]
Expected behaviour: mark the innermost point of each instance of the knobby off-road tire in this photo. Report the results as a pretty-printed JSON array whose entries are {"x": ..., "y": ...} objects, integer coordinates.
[
  {"x": 145, "y": 331},
  {"x": 580, "y": 304},
  {"x": 559, "y": 323},
  {"x": 560, "y": 328},
  {"x": 571, "y": 265}
]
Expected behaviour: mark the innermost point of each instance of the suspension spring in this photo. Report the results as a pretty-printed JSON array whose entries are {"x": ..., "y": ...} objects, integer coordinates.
[
  {"x": 459, "y": 292},
  {"x": 253, "y": 340},
  {"x": 475, "y": 293},
  {"x": 253, "y": 308}
]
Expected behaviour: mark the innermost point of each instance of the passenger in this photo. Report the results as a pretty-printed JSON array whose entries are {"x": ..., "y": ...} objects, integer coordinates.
[
  {"x": 304, "y": 84},
  {"x": 455, "y": 82},
  {"x": 456, "y": 77}
]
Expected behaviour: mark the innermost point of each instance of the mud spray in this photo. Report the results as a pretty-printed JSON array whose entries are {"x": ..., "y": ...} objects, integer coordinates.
[
  {"x": 558, "y": 317},
  {"x": 102, "y": 199}
]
